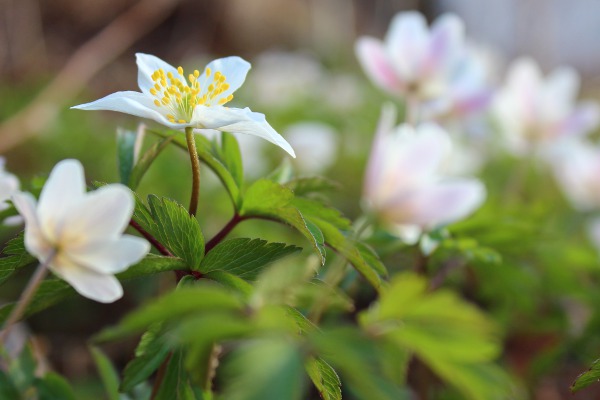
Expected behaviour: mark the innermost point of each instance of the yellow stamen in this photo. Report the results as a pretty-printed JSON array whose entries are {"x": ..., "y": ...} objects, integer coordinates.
[{"x": 180, "y": 70}]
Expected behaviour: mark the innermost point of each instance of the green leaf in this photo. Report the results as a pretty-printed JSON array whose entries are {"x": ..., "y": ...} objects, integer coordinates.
[
  {"x": 244, "y": 257},
  {"x": 126, "y": 141},
  {"x": 8, "y": 390},
  {"x": 325, "y": 379},
  {"x": 268, "y": 369},
  {"x": 348, "y": 249},
  {"x": 314, "y": 210},
  {"x": 207, "y": 156},
  {"x": 108, "y": 374},
  {"x": 145, "y": 363},
  {"x": 231, "y": 281},
  {"x": 231, "y": 157},
  {"x": 52, "y": 387},
  {"x": 137, "y": 173},
  {"x": 52, "y": 291},
  {"x": 454, "y": 338},
  {"x": 15, "y": 257},
  {"x": 175, "y": 384},
  {"x": 185, "y": 301},
  {"x": 332, "y": 224},
  {"x": 177, "y": 230},
  {"x": 316, "y": 184},
  {"x": 590, "y": 376},
  {"x": 270, "y": 200}
]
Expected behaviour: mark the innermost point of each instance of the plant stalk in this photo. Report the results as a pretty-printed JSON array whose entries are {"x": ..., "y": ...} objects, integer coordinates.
[
  {"x": 26, "y": 296},
  {"x": 191, "y": 143}
]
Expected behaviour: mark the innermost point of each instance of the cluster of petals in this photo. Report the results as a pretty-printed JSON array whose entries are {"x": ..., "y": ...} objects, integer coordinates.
[
  {"x": 9, "y": 184},
  {"x": 405, "y": 185},
  {"x": 413, "y": 59},
  {"x": 536, "y": 112},
  {"x": 198, "y": 101},
  {"x": 79, "y": 234}
]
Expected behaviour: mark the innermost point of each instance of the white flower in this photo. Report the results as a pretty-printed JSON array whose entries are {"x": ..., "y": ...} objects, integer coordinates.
[
  {"x": 534, "y": 112},
  {"x": 414, "y": 59},
  {"x": 316, "y": 144},
  {"x": 576, "y": 166},
  {"x": 404, "y": 185},
  {"x": 172, "y": 99},
  {"x": 82, "y": 230},
  {"x": 9, "y": 184}
]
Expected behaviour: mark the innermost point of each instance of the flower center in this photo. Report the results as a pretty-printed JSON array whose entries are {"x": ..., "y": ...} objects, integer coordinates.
[{"x": 180, "y": 98}]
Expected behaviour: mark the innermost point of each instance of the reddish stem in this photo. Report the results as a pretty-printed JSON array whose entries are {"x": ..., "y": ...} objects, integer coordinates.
[{"x": 236, "y": 219}]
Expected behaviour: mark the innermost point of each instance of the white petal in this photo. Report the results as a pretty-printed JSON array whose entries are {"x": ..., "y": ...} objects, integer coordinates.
[
  {"x": 446, "y": 43},
  {"x": 236, "y": 120},
  {"x": 110, "y": 256},
  {"x": 64, "y": 188},
  {"x": 147, "y": 64},
  {"x": 103, "y": 214},
  {"x": 88, "y": 283},
  {"x": 443, "y": 203},
  {"x": 35, "y": 241},
  {"x": 371, "y": 55},
  {"x": 233, "y": 68},
  {"x": 133, "y": 103},
  {"x": 406, "y": 42},
  {"x": 374, "y": 172},
  {"x": 582, "y": 120}
]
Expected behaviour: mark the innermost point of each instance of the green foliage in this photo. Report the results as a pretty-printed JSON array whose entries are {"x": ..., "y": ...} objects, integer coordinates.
[
  {"x": 150, "y": 353},
  {"x": 108, "y": 374},
  {"x": 587, "y": 378},
  {"x": 173, "y": 226},
  {"x": 15, "y": 257},
  {"x": 456, "y": 340},
  {"x": 244, "y": 257},
  {"x": 143, "y": 164},
  {"x": 270, "y": 200},
  {"x": 325, "y": 379},
  {"x": 126, "y": 143}
]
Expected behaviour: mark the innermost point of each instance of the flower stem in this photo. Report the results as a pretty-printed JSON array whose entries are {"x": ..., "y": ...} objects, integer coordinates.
[
  {"x": 236, "y": 219},
  {"x": 189, "y": 137},
  {"x": 26, "y": 296},
  {"x": 158, "y": 245}
]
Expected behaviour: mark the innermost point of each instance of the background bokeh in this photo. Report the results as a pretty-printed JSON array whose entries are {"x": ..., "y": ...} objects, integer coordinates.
[{"x": 306, "y": 79}]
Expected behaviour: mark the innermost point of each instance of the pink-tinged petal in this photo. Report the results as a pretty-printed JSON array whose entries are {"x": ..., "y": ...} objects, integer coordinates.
[
  {"x": 237, "y": 120},
  {"x": 233, "y": 68},
  {"x": 562, "y": 83},
  {"x": 64, "y": 188},
  {"x": 406, "y": 43},
  {"x": 133, "y": 103},
  {"x": 446, "y": 43},
  {"x": 582, "y": 120},
  {"x": 523, "y": 83},
  {"x": 110, "y": 256},
  {"x": 447, "y": 202},
  {"x": 371, "y": 55},
  {"x": 88, "y": 283},
  {"x": 35, "y": 241},
  {"x": 374, "y": 172},
  {"x": 147, "y": 64},
  {"x": 102, "y": 215}
]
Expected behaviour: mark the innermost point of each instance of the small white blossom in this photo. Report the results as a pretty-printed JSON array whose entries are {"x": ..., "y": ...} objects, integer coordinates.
[
  {"x": 536, "y": 112},
  {"x": 198, "y": 100},
  {"x": 81, "y": 233},
  {"x": 405, "y": 186},
  {"x": 414, "y": 59},
  {"x": 316, "y": 143}
]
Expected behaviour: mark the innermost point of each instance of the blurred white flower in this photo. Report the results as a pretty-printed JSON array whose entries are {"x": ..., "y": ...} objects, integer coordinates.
[
  {"x": 9, "y": 184},
  {"x": 576, "y": 166},
  {"x": 405, "y": 186},
  {"x": 316, "y": 144},
  {"x": 469, "y": 88},
  {"x": 535, "y": 112},
  {"x": 174, "y": 100},
  {"x": 81, "y": 233},
  {"x": 414, "y": 60}
]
